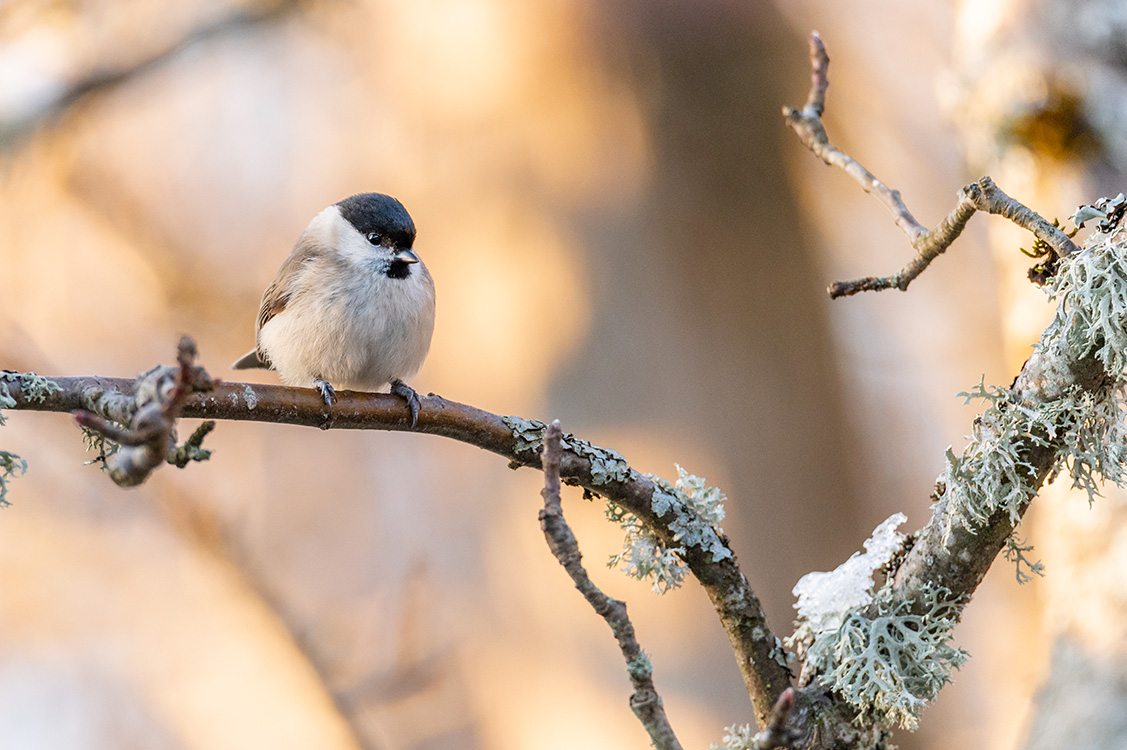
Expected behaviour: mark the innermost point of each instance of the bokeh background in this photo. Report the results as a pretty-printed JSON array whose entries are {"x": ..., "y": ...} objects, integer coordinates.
[{"x": 624, "y": 236}]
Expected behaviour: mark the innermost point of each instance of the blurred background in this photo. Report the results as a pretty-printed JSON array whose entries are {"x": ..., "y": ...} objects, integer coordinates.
[{"x": 624, "y": 236}]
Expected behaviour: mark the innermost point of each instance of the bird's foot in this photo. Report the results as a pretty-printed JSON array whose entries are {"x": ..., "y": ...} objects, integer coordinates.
[
  {"x": 325, "y": 388},
  {"x": 328, "y": 394},
  {"x": 399, "y": 388}
]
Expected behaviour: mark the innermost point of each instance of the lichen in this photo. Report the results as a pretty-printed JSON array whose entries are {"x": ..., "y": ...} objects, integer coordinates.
[
  {"x": 11, "y": 466},
  {"x": 34, "y": 387},
  {"x": 691, "y": 510},
  {"x": 528, "y": 432},
  {"x": 780, "y": 655},
  {"x": 736, "y": 737},
  {"x": 606, "y": 465},
  {"x": 1015, "y": 552},
  {"x": 1085, "y": 427},
  {"x": 96, "y": 441},
  {"x": 890, "y": 660},
  {"x": 1091, "y": 287},
  {"x": 640, "y": 667},
  {"x": 644, "y": 555}
]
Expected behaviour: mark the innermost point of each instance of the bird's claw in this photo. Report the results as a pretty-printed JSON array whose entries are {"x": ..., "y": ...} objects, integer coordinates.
[
  {"x": 328, "y": 393},
  {"x": 399, "y": 388}
]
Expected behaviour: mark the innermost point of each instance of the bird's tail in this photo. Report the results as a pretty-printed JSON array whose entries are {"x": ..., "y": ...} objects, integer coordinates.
[{"x": 249, "y": 361}]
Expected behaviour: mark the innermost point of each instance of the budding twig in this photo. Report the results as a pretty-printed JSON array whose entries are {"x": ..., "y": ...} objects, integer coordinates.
[
  {"x": 982, "y": 195},
  {"x": 777, "y": 733}
]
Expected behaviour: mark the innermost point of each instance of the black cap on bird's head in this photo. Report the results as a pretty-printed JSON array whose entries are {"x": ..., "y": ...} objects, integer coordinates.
[{"x": 376, "y": 215}]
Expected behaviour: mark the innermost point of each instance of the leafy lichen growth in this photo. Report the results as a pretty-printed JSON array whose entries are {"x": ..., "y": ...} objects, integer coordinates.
[
  {"x": 11, "y": 466},
  {"x": 606, "y": 465},
  {"x": 96, "y": 441},
  {"x": 1091, "y": 287},
  {"x": 640, "y": 667},
  {"x": 736, "y": 737},
  {"x": 34, "y": 388},
  {"x": 644, "y": 556},
  {"x": 890, "y": 660},
  {"x": 528, "y": 432},
  {"x": 886, "y": 659},
  {"x": 691, "y": 510},
  {"x": 1086, "y": 428},
  {"x": 1015, "y": 552}
]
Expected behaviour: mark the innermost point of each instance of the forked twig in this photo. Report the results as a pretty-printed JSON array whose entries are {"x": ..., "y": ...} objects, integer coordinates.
[{"x": 982, "y": 195}]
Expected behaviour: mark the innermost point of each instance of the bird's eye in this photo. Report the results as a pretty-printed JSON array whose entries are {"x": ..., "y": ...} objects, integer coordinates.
[{"x": 374, "y": 238}]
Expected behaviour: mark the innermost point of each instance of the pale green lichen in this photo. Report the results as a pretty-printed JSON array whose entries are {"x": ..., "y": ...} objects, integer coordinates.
[
  {"x": 1091, "y": 287},
  {"x": 1015, "y": 552},
  {"x": 891, "y": 663},
  {"x": 644, "y": 556},
  {"x": 691, "y": 510},
  {"x": 886, "y": 659},
  {"x": 528, "y": 432},
  {"x": 1086, "y": 428},
  {"x": 6, "y": 401},
  {"x": 34, "y": 388},
  {"x": 606, "y": 465},
  {"x": 103, "y": 448},
  {"x": 640, "y": 667},
  {"x": 736, "y": 737},
  {"x": 780, "y": 655},
  {"x": 11, "y": 466}
]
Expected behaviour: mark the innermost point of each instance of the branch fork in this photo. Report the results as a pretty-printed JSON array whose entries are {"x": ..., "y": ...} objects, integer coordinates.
[{"x": 929, "y": 244}]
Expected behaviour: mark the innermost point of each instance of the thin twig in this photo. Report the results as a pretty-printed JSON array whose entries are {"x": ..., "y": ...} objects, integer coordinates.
[
  {"x": 645, "y": 700},
  {"x": 982, "y": 195}
]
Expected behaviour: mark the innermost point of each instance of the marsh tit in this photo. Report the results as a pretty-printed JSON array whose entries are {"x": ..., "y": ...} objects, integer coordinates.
[{"x": 352, "y": 306}]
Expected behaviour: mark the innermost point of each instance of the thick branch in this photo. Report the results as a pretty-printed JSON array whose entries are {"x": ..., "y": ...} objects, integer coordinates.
[
  {"x": 982, "y": 195},
  {"x": 738, "y": 608},
  {"x": 645, "y": 701}
]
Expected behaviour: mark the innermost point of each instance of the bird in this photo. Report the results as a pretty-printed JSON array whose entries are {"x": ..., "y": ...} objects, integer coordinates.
[{"x": 352, "y": 306}]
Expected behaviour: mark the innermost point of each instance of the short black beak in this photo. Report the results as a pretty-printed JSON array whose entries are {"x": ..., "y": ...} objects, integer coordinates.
[{"x": 406, "y": 255}]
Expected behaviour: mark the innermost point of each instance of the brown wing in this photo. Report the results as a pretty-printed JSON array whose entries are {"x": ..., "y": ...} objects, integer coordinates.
[{"x": 278, "y": 294}]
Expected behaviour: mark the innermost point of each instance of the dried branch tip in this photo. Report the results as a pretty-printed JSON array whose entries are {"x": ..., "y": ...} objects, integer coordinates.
[{"x": 929, "y": 244}]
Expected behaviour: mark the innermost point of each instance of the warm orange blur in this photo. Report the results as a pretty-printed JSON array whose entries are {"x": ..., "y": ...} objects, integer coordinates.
[{"x": 623, "y": 236}]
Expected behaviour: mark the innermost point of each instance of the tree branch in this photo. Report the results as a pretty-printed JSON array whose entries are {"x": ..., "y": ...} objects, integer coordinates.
[
  {"x": 149, "y": 439},
  {"x": 755, "y": 645},
  {"x": 982, "y": 195},
  {"x": 645, "y": 701}
]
